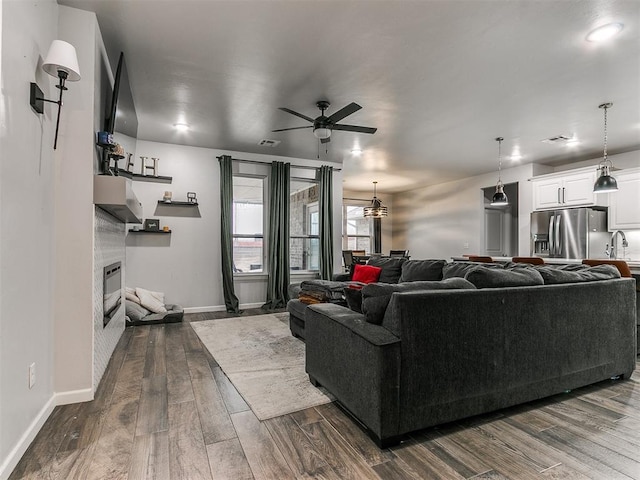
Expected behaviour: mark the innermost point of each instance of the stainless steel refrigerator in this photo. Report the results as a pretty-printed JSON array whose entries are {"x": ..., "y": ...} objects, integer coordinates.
[{"x": 570, "y": 233}]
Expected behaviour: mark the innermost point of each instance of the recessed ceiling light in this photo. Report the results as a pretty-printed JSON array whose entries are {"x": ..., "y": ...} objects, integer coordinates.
[
  {"x": 604, "y": 32},
  {"x": 182, "y": 127},
  {"x": 357, "y": 151}
]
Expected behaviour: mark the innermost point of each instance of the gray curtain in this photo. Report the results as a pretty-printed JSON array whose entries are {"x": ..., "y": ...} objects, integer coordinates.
[
  {"x": 226, "y": 230},
  {"x": 326, "y": 222},
  {"x": 278, "y": 237}
]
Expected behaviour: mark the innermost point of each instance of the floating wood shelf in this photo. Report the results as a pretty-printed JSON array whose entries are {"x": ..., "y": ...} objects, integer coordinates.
[
  {"x": 131, "y": 230},
  {"x": 144, "y": 178},
  {"x": 178, "y": 204}
]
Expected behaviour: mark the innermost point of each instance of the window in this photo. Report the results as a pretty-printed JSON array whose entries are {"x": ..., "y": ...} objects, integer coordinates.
[
  {"x": 304, "y": 225},
  {"x": 248, "y": 201},
  {"x": 356, "y": 229}
]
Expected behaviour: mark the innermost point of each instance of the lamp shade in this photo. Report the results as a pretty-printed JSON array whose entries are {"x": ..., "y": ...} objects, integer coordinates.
[
  {"x": 499, "y": 198},
  {"x": 605, "y": 182},
  {"x": 322, "y": 133},
  {"x": 62, "y": 57}
]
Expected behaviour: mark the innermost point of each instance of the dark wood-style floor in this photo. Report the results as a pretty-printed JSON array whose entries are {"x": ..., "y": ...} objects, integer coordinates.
[{"x": 165, "y": 410}]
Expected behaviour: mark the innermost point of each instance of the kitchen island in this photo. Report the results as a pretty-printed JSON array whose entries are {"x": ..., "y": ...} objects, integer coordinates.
[{"x": 634, "y": 265}]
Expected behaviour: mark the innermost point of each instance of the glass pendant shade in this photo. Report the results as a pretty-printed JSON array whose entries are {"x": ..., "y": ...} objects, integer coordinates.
[
  {"x": 605, "y": 183},
  {"x": 499, "y": 198},
  {"x": 322, "y": 133},
  {"x": 376, "y": 209}
]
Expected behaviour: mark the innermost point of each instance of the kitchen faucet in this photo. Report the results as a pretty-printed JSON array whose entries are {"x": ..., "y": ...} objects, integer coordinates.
[{"x": 611, "y": 252}]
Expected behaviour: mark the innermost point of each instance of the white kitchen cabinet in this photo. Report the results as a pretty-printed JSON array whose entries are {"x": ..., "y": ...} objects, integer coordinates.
[
  {"x": 566, "y": 189},
  {"x": 624, "y": 205}
]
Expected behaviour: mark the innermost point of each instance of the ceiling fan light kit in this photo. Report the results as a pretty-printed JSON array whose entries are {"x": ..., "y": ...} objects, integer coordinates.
[
  {"x": 605, "y": 182},
  {"x": 500, "y": 198},
  {"x": 323, "y": 125}
]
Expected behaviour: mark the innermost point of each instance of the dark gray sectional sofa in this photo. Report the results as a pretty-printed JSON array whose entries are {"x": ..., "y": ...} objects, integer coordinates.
[{"x": 441, "y": 355}]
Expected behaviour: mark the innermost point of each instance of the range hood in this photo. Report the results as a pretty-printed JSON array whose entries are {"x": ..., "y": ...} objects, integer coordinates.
[{"x": 114, "y": 195}]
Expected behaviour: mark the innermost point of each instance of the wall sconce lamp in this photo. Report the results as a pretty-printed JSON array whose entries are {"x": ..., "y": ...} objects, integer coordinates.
[{"x": 61, "y": 62}]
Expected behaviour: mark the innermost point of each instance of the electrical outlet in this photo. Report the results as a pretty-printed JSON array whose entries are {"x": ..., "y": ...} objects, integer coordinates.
[
  {"x": 32, "y": 375},
  {"x": 465, "y": 245}
]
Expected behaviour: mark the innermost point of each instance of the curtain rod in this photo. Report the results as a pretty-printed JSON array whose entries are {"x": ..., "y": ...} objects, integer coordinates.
[{"x": 259, "y": 162}]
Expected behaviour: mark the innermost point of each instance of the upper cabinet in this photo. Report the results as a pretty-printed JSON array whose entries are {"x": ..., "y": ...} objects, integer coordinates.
[
  {"x": 624, "y": 205},
  {"x": 566, "y": 189}
]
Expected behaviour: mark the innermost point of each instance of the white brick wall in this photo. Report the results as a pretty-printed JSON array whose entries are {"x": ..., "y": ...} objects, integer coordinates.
[{"x": 109, "y": 247}]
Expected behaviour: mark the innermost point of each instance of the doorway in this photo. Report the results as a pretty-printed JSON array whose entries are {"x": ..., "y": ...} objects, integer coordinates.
[{"x": 500, "y": 237}]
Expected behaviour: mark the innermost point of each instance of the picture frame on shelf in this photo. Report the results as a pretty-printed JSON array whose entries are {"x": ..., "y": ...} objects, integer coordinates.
[{"x": 152, "y": 224}]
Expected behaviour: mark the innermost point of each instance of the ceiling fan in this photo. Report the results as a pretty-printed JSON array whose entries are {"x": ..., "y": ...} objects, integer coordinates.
[{"x": 323, "y": 125}]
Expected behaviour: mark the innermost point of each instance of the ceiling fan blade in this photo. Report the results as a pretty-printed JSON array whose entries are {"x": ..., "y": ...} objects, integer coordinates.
[
  {"x": 344, "y": 112},
  {"x": 292, "y": 128},
  {"x": 325, "y": 140},
  {"x": 354, "y": 128},
  {"x": 308, "y": 119}
]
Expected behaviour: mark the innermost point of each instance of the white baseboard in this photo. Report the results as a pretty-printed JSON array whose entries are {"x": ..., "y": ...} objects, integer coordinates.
[
  {"x": 220, "y": 308},
  {"x": 18, "y": 451},
  {"x": 74, "y": 396}
]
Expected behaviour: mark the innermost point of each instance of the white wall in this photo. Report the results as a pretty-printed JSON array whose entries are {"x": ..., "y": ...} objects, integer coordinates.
[
  {"x": 74, "y": 217},
  {"x": 27, "y": 217},
  {"x": 186, "y": 264},
  {"x": 439, "y": 221}
]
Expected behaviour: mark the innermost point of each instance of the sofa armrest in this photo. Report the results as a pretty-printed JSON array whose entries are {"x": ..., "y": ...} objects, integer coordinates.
[
  {"x": 341, "y": 277},
  {"x": 356, "y": 361}
]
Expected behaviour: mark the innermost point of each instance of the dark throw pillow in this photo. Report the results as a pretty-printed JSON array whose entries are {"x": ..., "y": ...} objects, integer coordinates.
[
  {"x": 391, "y": 268},
  {"x": 420, "y": 270},
  {"x": 376, "y": 296},
  {"x": 366, "y": 273},
  {"x": 354, "y": 298},
  {"x": 483, "y": 277}
]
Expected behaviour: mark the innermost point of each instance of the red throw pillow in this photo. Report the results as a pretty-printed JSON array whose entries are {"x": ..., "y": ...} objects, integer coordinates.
[{"x": 366, "y": 273}]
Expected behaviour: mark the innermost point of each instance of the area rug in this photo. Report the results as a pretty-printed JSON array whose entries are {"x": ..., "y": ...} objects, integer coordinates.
[{"x": 263, "y": 361}]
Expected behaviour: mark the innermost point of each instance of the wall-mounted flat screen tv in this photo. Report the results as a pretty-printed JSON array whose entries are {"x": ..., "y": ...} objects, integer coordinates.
[{"x": 121, "y": 111}]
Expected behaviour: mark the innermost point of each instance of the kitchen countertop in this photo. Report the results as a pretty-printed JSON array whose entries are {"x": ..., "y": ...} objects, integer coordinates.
[{"x": 634, "y": 265}]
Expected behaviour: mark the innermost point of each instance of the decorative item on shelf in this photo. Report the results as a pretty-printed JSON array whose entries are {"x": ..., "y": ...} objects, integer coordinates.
[
  {"x": 153, "y": 167},
  {"x": 167, "y": 197},
  {"x": 499, "y": 198},
  {"x": 136, "y": 228},
  {"x": 165, "y": 228},
  {"x": 61, "y": 62},
  {"x": 152, "y": 224},
  {"x": 605, "y": 182},
  {"x": 129, "y": 167},
  {"x": 191, "y": 197},
  {"x": 105, "y": 140},
  {"x": 376, "y": 209}
]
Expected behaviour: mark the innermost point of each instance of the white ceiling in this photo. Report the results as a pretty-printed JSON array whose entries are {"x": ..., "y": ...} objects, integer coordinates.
[{"x": 439, "y": 79}]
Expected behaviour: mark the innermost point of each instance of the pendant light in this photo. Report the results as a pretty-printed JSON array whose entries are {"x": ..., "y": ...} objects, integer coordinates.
[
  {"x": 605, "y": 183},
  {"x": 376, "y": 209},
  {"x": 499, "y": 198}
]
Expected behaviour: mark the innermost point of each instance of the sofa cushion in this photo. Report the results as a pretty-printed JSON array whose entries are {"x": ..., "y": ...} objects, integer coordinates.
[
  {"x": 376, "y": 296},
  {"x": 460, "y": 269},
  {"x": 353, "y": 295},
  {"x": 419, "y": 270},
  {"x": 366, "y": 273},
  {"x": 391, "y": 268},
  {"x": 553, "y": 275},
  {"x": 135, "y": 311},
  {"x": 521, "y": 276}
]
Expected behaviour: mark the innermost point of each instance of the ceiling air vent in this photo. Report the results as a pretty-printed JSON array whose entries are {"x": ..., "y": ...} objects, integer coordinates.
[
  {"x": 265, "y": 142},
  {"x": 558, "y": 140}
]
